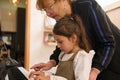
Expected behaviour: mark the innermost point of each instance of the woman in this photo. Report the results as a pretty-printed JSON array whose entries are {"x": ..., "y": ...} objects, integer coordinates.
[{"x": 102, "y": 33}]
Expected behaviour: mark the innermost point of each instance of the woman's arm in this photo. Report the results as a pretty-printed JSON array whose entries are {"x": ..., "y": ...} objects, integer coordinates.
[
  {"x": 55, "y": 55},
  {"x": 98, "y": 28}
]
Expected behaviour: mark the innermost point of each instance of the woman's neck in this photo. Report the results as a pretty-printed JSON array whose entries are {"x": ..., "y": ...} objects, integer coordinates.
[{"x": 68, "y": 9}]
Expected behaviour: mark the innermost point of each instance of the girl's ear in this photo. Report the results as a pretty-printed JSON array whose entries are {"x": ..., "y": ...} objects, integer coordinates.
[{"x": 74, "y": 38}]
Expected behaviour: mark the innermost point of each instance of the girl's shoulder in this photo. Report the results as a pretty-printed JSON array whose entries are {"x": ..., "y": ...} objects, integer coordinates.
[{"x": 83, "y": 53}]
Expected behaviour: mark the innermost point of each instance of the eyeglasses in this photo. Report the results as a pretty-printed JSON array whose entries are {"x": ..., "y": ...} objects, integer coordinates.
[{"x": 50, "y": 7}]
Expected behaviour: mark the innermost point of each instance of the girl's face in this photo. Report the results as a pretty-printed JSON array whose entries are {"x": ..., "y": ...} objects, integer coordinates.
[
  {"x": 64, "y": 43},
  {"x": 55, "y": 9}
]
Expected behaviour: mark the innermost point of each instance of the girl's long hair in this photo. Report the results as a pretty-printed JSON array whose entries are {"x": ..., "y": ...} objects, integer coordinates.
[{"x": 67, "y": 26}]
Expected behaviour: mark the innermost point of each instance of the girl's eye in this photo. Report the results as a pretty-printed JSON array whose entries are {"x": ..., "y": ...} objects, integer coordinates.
[{"x": 59, "y": 41}]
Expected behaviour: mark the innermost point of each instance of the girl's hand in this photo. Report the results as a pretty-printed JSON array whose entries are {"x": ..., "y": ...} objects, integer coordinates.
[
  {"x": 38, "y": 75},
  {"x": 42, "y": 78}
]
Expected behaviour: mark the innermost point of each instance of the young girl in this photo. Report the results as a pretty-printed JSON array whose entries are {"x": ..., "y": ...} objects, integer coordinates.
[{"x": 76, "y": 56}]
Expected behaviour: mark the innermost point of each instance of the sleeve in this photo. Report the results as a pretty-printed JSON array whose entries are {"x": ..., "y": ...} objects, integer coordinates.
[
  {"x": 98, "y": 29},
  {"x": 55, "y": 55},
  {"x": 82, "y": 66},
  {"x": 23, "y": 71},
  {"x": 53, "y": 77},
  {"x": 6, "y": 77}
]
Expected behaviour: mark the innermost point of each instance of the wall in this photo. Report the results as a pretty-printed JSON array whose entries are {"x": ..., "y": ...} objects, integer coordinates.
[
  {"x": 113, "y": 11},
  {"x": 8, "y": 15},
  {"x": 36, "y": 50}
]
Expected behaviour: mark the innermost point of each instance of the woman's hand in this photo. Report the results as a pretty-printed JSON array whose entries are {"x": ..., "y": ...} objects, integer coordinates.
[
  {"x": 93, "y": 74},
  {"x": 44, "y": 66}
]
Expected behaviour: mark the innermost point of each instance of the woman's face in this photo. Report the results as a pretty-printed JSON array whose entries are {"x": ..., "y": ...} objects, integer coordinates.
[{"x": 55, "y": 9}]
